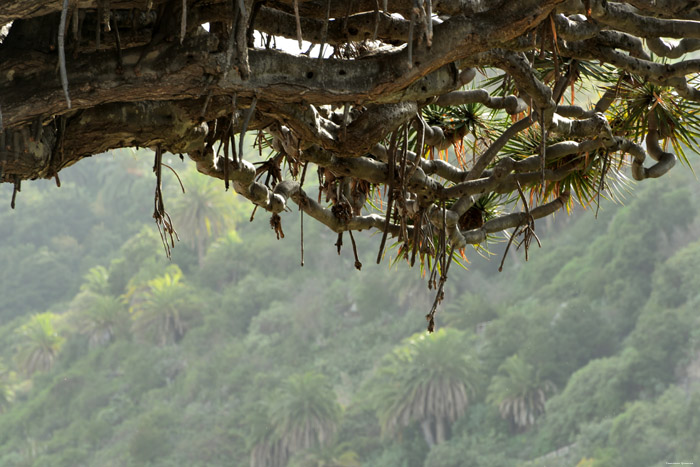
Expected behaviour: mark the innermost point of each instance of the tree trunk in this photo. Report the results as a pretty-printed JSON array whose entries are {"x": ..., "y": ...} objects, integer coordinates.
[
  {"x": 440, "y": 431},
  {"x": 427, "y": 433}
]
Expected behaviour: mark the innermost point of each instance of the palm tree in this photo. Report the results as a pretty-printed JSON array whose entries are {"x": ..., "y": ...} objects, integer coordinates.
[
  {"x": 96, "y": 280},
  {"x": 518, "y": 392},
  {"x": 95, "y": 312},
  {"x": 430, "y": 379},
  {"x": 203, "y": 213},
  {"x": 306, "y": 411},
  {"x": 163, "y": 308},
  {"x": 304, "y": 414},
  {"x": 39, "y": 345},
  {"x": 101, "y": 317}
]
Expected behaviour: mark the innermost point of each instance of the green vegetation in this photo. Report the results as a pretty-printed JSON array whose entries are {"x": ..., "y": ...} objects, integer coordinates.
[{"x": 232, "y": 354}]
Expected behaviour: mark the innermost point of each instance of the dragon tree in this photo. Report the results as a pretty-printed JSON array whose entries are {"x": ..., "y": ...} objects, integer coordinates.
[{"x": 437, "y": 122}]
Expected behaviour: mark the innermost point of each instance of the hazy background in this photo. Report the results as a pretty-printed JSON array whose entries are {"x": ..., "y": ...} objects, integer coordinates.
[{"x": 233, "y": 354}]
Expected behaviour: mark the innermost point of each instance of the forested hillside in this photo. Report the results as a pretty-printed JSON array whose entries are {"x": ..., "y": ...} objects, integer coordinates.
[{"x": 231, "y": 353}]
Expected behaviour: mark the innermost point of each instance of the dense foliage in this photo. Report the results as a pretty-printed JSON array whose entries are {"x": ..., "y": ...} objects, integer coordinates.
[{"x": 112, "y": 355}]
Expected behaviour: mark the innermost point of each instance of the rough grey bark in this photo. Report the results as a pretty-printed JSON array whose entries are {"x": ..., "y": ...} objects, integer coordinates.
[{"x": 146, "y": 73}]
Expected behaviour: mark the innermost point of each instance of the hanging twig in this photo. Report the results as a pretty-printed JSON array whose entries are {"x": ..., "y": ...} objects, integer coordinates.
[
  {"x": 443, "y": 247},
  {"x": 404, "y": 194},
  {"x": 439, "y": 294},
  {"x": 376, "y": 20},
  {"x": 429, "y": 14},
  {"x": 62, "y": 51},
  {"x": 182, "y": 187},
  {"x": 543, "y": 151},
  {"x": 301, "y": 216},
  {"x": 303, "y": 175},
  {"x": 601, "y": 185},
  {"x": 525, "y": 228},
  {"x": 505, "y": 253},
  {"x": 106, "y": 13},
  {"x": 165, "y": 226},
  {"x": 242, "y": 41},
  {"x": 117, "y": 40},
  {"x": 358, "y": 264},
  {"x": 411, "y": 26},
  {"x": 204, "y": 107},
  {"x": 298, "y": 21},
  {"x": 324, "y": 34},
  {"x": 251, "y": 23},
  {"x": 420, "y": 144},
  {"x": 57, "y": 149},
  {"x": 237, "y": 158},
  {"x": 226, "y": 149},
  {"x": 339, "y": 242},
  {"x": 390, "y": 186},
  {"x": 231, "y": 39},
  {"x": 16, "y": 189},
  {"x": 439, "y": 255},
  {"x": 417, "y": 226},
  {"x": 276, "y": 225},
  {"x": 224, "y": 142},
  {"x": 183, "y": 21},
  {"x": 302, "y": 201},
  {"x": 98, "y": 26},
  {"x": 346, "y": 112},
  {"x": 246, "y": 119}
]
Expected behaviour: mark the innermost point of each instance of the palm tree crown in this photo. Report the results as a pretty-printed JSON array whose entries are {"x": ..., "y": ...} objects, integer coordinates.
[
  {"x": 101, "y": 318},
  {"x": 40, "y": 344},
  {"x": 203, "y": 213},
  {"x": 304, "y": 414},
  {"x": 519, "y": 392},
  {"x": 429, "y": 379},
  {"x": 163, "y": 308}
]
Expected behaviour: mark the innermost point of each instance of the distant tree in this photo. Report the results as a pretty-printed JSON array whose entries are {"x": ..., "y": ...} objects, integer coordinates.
[
  {"x": 519, "y": 393},
  {"x": 306, "y": 412},
  {"x": 39, "y": 344},
  {"x": 96, "y": 281},
  {"x": 95, "y": 312},
  {"x": 203, "y": 213},
  {"x": 101, "y": 318},
  {"x": 303, "y": 414},
  {"x": 161, "y": 309},
  {"x": 430, "y": 379}
]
